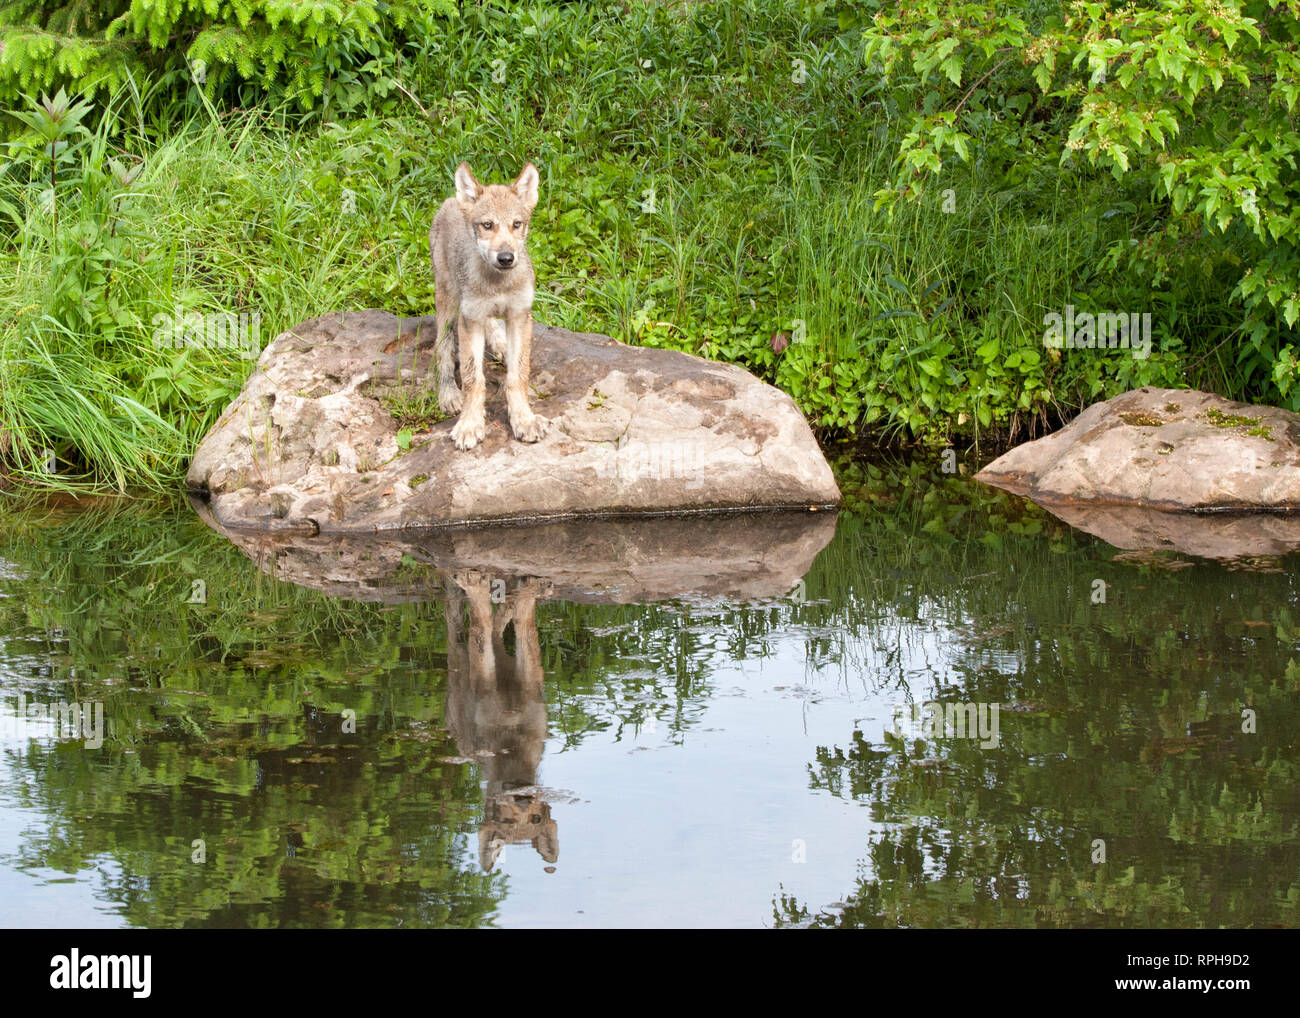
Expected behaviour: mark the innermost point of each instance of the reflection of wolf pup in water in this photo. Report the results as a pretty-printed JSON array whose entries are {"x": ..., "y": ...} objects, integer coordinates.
[{"x": 496, "y": 711}]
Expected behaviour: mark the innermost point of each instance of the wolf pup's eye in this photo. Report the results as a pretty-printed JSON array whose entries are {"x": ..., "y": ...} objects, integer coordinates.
[
  {"x": 518, "y": 223},
  {"x": 486, "y": 224}
]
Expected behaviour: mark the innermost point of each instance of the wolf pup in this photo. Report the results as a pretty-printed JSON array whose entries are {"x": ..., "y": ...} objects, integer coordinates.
[{"x": 484, "y": 284}]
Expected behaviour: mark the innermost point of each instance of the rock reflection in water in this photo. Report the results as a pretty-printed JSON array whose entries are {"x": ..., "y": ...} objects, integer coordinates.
[
  {"x": 1221, "y": 536},
  {"x": 491, "y": 580}
]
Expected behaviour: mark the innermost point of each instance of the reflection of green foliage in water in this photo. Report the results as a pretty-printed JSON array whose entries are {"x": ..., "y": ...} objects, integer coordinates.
[
  {"x": 224, "y": 722},
  {"x": 1120, "y": 721}
]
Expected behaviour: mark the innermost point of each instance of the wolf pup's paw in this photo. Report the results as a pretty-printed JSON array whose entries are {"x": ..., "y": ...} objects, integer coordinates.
[
  {"x": 471, "y": 581},
  {"x": 450, "y": 399},
  {"x": 468, "y": 432},
  {"x": 532, "y": 429}
]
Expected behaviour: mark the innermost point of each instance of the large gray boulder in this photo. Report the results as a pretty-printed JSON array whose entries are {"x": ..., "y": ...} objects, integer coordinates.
[
  {"x": 1170, "y": 449},
  {"x": 311, "y": 444}
]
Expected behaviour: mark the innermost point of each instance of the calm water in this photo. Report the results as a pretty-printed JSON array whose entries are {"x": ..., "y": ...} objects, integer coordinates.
[{"x": 718, "y": 723}]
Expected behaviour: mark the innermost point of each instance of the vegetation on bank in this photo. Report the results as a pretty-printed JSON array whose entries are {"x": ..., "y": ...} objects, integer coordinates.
[{"x": 874, "y": 213}]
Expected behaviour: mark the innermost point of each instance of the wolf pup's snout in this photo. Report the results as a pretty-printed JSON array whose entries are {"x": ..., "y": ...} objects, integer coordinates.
[{"x": 483, "y": 277}]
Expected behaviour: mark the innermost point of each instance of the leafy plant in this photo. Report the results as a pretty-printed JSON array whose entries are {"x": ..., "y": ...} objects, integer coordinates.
[
  {"x": 1193, "y": 100},
  {"x": 304, "y": 53}
]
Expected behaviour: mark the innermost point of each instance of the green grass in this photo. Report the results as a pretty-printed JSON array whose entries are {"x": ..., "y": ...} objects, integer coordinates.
[{"x": 694, "y": 196}]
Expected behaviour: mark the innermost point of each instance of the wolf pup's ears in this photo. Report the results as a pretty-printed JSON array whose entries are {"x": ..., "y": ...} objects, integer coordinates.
[
  {"x": 526, "y": 185},
  {"x": 467, "y": 188}
]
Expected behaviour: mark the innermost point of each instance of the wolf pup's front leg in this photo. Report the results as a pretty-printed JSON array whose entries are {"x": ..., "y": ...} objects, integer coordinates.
[
  {"x": 527, "y": 426},
  {"x": 471, "y": 426}
]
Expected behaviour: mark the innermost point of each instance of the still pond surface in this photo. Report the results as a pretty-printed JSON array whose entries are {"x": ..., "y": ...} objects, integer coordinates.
[{"x": 723, "y": 722}]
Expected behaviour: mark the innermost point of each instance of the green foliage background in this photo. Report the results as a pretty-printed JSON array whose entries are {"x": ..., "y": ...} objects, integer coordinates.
[
  {"x": 872, "y": 206},
  {"x": 235, "y": 49}
]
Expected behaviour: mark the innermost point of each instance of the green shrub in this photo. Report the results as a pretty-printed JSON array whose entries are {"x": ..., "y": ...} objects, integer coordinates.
[
  {"x": 288, "y": 50},
  {"x": 1191, "y": 100}
]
